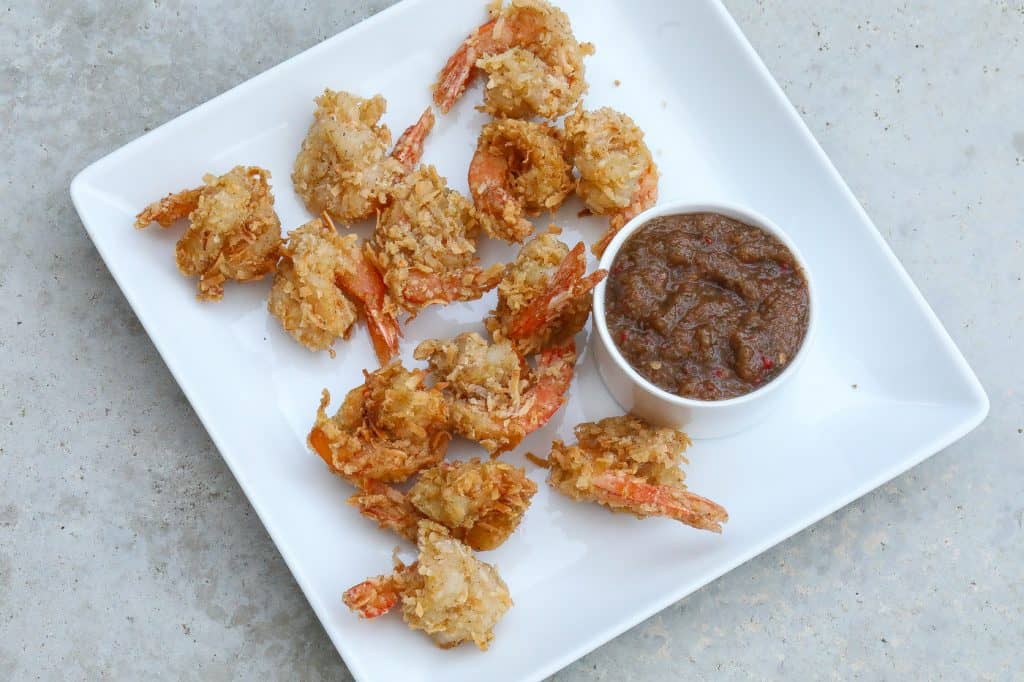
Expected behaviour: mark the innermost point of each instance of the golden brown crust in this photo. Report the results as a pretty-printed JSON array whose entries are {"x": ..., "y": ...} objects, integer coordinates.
[
  {"x": 343, "y": 167},
  {"x": 485, "y": 385},
  {"x": 386, "y": 430},
  {"x": 425, "y": 244},
  {"x": 304, "y": 295},
  {"x": 457, "y": 598},
  {"x": 618, "y": 176},
  {"x": 481, "y": 502},
  {"x": 520, "y": 168}
]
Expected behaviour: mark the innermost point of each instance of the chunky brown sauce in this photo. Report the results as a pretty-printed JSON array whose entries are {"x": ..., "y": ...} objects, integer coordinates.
[{"x": 705, "y": 306}]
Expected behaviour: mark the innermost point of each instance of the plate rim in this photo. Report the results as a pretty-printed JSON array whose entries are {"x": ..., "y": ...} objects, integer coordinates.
[{"x": 976, "y": 408}]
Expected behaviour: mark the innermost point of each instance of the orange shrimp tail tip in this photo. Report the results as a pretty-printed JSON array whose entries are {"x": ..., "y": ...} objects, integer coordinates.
[
  {"x": 458, "y": 70},
  {"x": 644, "y": 498},
  {"x": 365, "y": 284},
  {"x": 319, "y": 443},
  {"x": 555, "y": 368},
  {"x": 409, "y": 148},
  {"x": 385, "y": 333},
  {"x": 371, "y": 598},
  {"x": 170, "y": 209},
  {"x": 599, "y": 246},
  {"x": 388, "y": 507}
]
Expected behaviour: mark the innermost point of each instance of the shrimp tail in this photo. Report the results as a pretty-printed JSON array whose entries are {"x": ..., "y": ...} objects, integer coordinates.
[
  {"x": 409, "y": 148},
  {"x": 500, "y": 212},
  {"x": 555, "y": 368},
  {"x": 171, "y": 208},
  {"x": 388, "y": 507},
  {"x": 373, "y": 597},
  {"x": 362, "y": 281},
  {"x": 384, "y": 333},
  {"x": 619, "y": 489},
  {"x": 460, "y": 68},
  {"x": 317, "y": 439},
  {"x": 465, "y": 285}
]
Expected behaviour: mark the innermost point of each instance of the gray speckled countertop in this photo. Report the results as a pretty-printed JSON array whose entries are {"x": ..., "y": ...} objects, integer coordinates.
[{"x": 128, "y": 551}]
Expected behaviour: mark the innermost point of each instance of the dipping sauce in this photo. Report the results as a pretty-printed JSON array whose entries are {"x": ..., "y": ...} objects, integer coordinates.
[{"x": 706, "y": 307}]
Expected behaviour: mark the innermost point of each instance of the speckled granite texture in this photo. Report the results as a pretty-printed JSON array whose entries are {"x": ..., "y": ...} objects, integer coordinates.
[{"x": 127, "y": 550}]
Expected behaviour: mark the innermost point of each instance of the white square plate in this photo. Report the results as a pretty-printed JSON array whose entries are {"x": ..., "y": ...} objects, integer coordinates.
[{"x": 883, "y": 388}]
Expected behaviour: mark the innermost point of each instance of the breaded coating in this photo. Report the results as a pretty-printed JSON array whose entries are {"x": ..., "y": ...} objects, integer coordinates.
[
  {"x": 520, "y": 168},
  {"x": 425, "y": 244},
  {"x": 386, "y": 430},
  {"x": 533, "y": 62},
  {"x": 618, "y": 177},
  {"x": 448, "y": 593},
  {"x": 481, "y": 503},
  {"x": 543, "y": 298},
  {"x": 233, "y": 231},
  {"x": 344, "y": 167},
  {"x": 494, "y": 397},
  {"x": 631, "y": 466},
  {"x": 304, "y": 296}
]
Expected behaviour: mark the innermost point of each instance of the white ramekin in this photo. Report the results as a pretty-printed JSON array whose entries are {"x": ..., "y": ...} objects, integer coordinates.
[{"x": 699, "y": 418}]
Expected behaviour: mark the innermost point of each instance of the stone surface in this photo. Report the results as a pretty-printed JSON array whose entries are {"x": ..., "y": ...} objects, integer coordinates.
[{"x": 128, "y": 551}]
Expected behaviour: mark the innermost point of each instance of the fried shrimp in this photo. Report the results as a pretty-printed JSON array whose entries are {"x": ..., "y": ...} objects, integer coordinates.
[
  {"x": 480, "y": 503},
  {"x": 628, "y": 465},
  {"x": 304, "y": 297},
  {"x": 494, "y": 396},
  {"x": 448, "y": 593},
  {"x": 233, "y": 233},
  {"x": 344, "y": 167},
  {"x": 386, "y": 430},
  {"x": 425, "y": 244},
  {"x": 533, "y": 62},
  {"x": 544, "y": 298},
  {"x": 618, "y": 178},
  {"x": 520, "y": 169},
  {"x": 321, "y": 279}
]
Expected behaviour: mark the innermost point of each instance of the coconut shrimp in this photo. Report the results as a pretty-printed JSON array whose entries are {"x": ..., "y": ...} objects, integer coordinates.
[
  {"x": 495, "y": 398},
  {"x": 425, "y": 244},
  {"x": 447, "y": 592},
  {"x": 385, "y": 430},
  {"x": 618, "y": 178},
  {"x": 544, "y": 298},
  {"x": 520, "y": 169},
  {"x": 344, "y": 167},
  {"x": 631, "y": 466},
  {"x": 233, "y": 233},
  {"x": 533, "y": 62},
  {"x": 480, "y": 503},
  {"x": 321, "y": 279}
]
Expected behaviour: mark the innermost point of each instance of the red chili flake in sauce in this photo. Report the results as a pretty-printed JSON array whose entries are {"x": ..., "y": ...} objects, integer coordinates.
[
  {"x": 767, "y": 363},
  {"x": 719, "y": 372},
  {"x": 708, "y": 240}
]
